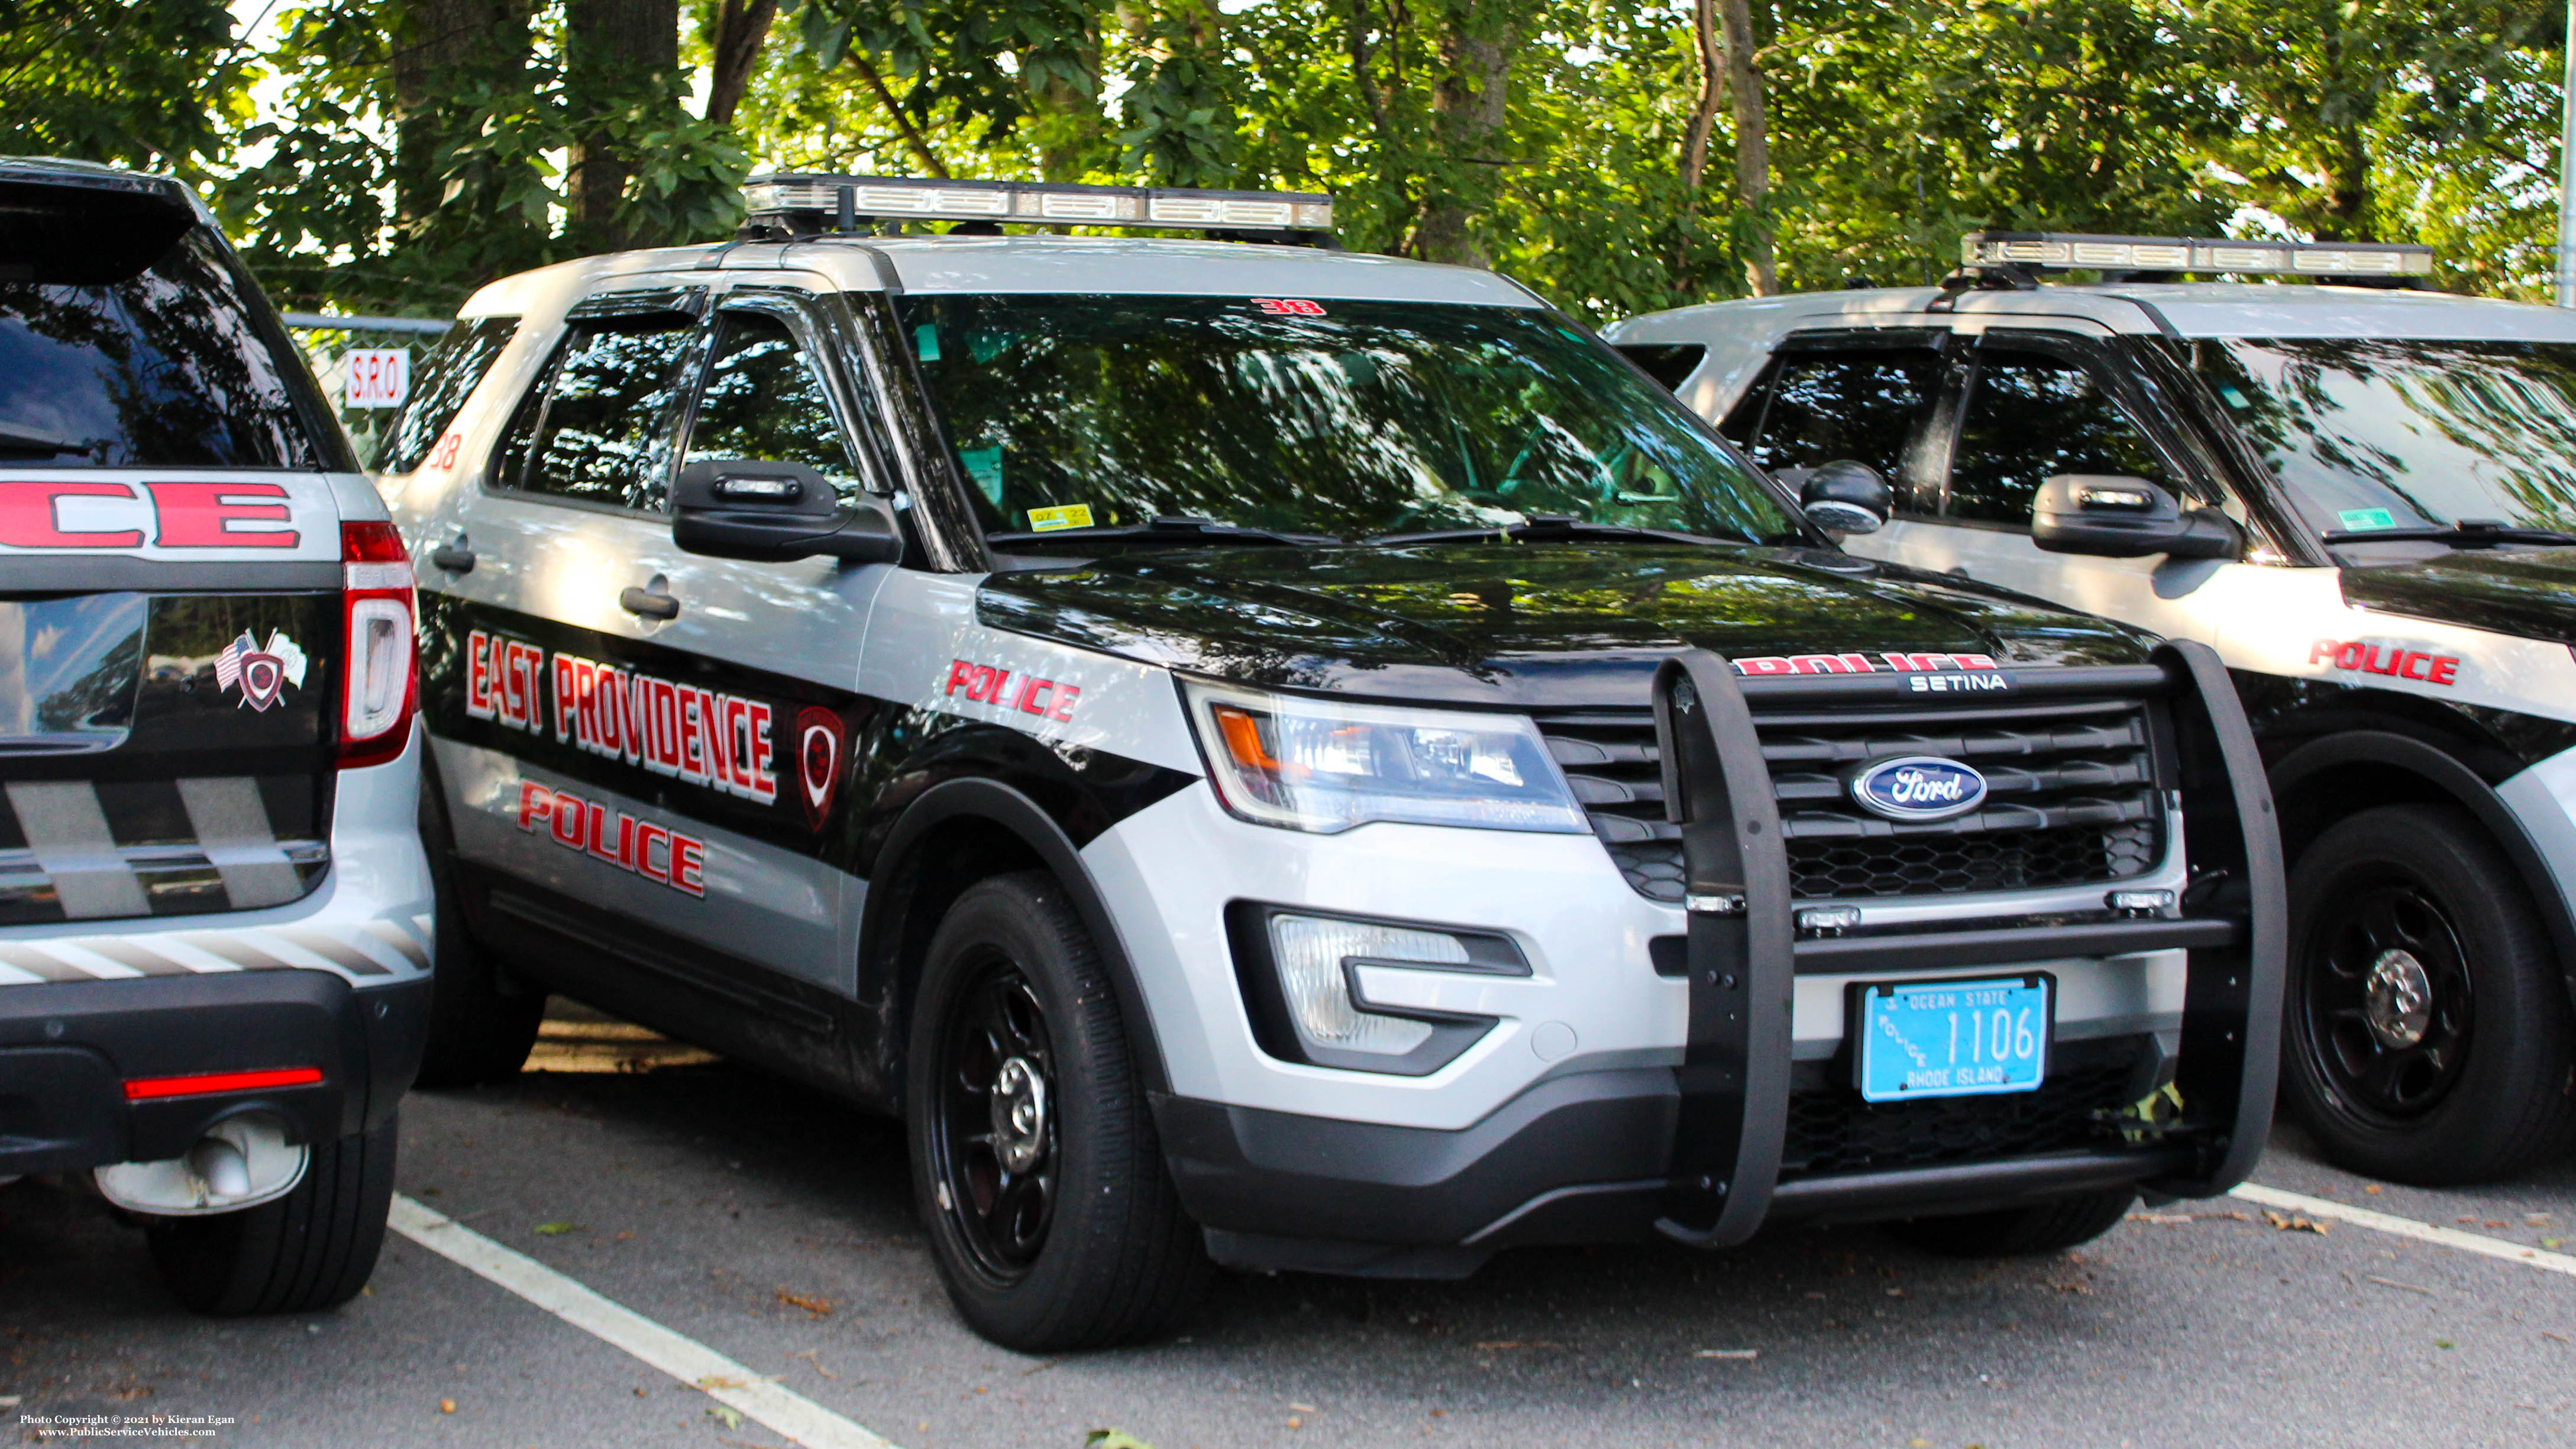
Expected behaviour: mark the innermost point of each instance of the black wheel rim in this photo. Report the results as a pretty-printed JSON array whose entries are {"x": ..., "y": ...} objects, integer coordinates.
[
  {"x": 2385, "y": 997},
  {"x": 995, "y": 1125}
]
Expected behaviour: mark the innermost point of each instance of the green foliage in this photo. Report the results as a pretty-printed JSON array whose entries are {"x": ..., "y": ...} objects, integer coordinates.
[
  {"x": 405, "y": 158},
  {"x": 149, "y": 83}
]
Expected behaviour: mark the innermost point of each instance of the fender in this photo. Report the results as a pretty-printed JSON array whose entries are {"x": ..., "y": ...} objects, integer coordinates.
[
  {"x": 998, "y": 804},
  {"x": 2463, "y": 786}
]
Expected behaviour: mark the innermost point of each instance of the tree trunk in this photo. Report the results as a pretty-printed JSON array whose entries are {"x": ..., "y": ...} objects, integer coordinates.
[
  {"x": 1752, "y": 147},
  {"x": 742, "y": 27},
  {"x": 616, "y": 53},
  {"x": 1712, "y": 91},
  {"x": 443, "y": 49},
  {"x": 1468, "y": 120},
  {"x": 2348, "y": 192}
]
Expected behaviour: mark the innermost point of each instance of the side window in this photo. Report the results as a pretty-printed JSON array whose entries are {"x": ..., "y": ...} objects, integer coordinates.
[
  {"x": 766, "y": 399},
  {"x": 2029, "y": 417},
  {"x": 450, "y": 377},
  {"x": 595, "y": 428},
  {"x": 1864, "y": 404},
  {"x": 1666, "y": 362}
]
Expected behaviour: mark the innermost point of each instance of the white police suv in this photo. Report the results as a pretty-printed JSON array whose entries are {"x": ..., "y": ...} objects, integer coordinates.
[
  {"x": 2363, "y": 496},
  {"x": 1301, "y": 759},
  {"x": 214, "y": 908}
]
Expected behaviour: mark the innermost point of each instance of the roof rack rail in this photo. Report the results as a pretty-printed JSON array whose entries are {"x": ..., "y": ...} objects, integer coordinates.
[
  {"x": 2053, "y": 251},
  {"x": 798, "y": 204}
]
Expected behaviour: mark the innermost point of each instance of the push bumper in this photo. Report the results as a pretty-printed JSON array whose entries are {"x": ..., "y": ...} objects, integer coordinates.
[
  {"x": 1709, "y": 1151},
  {"x": 68, "y": 1051}
]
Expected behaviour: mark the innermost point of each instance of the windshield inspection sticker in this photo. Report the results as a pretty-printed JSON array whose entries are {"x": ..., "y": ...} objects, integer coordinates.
[
  {"x": 2362, "y": 520},
  {"x": 1070, "y": 515}
]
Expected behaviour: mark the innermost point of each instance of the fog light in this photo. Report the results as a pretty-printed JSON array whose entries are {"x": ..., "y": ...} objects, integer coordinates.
[{"x": 1309, "y": 951}]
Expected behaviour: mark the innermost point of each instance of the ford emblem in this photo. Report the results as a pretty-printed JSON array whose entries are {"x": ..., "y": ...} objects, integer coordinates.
[{"x": 1918, "y": 787}]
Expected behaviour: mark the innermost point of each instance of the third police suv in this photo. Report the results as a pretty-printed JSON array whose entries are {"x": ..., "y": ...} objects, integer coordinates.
[{"x": 1292, "y": 760}]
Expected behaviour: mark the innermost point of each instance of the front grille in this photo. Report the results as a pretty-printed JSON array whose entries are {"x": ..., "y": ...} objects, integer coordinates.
[
  {"x": 1831, "y": 1130},
  {"x": 2071, "y": 800}
]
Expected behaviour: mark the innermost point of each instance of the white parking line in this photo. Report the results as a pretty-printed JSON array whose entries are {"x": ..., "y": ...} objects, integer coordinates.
[
  {"x": 734, "y": 1385},
  {"x": 2318, "y": 1207}
]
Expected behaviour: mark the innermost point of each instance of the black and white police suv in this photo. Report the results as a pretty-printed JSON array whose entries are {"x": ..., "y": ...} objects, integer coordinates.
[
  {"x": 1301, "y": 759},
  {"x": 2363, "y": 496},
  {"x": 214, "y": 907}
]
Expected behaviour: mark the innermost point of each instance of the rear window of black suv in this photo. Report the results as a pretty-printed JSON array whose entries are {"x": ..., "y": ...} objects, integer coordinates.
[{"x": 150, "y": 348}]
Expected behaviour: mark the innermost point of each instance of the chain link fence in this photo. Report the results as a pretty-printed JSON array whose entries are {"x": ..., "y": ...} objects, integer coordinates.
[{"x": 366, "y": 365}]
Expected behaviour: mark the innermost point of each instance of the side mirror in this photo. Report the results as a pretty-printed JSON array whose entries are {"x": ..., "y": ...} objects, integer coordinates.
[
  {"x": 1845, "y": 497},
  {"x": 774, "y": 512},
  {"x": 2111, "y": 516}
]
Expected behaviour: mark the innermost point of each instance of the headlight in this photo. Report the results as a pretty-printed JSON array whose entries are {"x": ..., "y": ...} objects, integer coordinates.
[{"x": 1326, "y": 765}]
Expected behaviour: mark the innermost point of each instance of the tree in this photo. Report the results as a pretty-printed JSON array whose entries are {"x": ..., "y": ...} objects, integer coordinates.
[{"x": 159, "y": 84}]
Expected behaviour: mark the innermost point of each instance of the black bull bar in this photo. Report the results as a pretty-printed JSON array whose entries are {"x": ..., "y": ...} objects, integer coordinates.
[{"x": 1735, "y": 1076}]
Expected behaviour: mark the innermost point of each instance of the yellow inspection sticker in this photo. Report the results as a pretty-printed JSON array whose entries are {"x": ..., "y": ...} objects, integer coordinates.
[{"x": 1070, "y": 515}]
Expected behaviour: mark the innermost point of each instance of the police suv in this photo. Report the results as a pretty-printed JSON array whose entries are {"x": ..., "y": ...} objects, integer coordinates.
[
  {"x": 214, "y": 908},
  {"x": 1298, "y": 759},
  {"x": 2363, "y": 496}
]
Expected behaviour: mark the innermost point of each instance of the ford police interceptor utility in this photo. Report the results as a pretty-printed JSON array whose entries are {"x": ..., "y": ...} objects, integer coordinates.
[
  {"x": 1297, "y": 759},
  {"x": 2364, "y": 499},
  {"x": 214, "y": 908}
]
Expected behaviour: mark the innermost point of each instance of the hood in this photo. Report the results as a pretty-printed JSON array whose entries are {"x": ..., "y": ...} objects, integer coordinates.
[
  {"x": 1524, "y": 624},
  {"x": 2531, "y": 593}
]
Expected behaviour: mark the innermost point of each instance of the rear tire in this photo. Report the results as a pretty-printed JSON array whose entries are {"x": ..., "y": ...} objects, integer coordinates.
[
  {"x": 2045, "y": 1227},
  {"x": 309, "y": 1250},
  {"x": 479, "y": 1031},
  {"x": 2412, "y": 906},
  {"x": 1035, "y": 1161}
]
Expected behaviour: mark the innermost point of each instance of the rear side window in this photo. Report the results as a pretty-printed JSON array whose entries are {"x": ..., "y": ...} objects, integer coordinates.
[
  {"x": 454, "y": 370},
  {"x": 2031, "y": 416},
  {"x": 1665, "y": 362},
  {"x": 146, "y": 348},
  {"x": 1860, "y": 404},
  {"x": 597, "y": 427}
]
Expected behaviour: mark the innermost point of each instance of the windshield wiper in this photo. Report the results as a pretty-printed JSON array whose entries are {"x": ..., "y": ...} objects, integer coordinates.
[
  {"x": 1168, "y": 529},
  {"x": 2467, "y": 533},
  {"x": 1554, "y": 528},
  {"x": 15, "y": 439}
]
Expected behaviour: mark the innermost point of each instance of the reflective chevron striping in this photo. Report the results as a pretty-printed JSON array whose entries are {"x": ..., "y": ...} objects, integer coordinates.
[{"x": 366, "y": 951}]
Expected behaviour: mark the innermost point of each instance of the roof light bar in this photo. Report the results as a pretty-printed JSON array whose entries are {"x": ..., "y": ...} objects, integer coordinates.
[
  {"x": 2044, "y": 251},
  {"x": 885, "y": 198}
]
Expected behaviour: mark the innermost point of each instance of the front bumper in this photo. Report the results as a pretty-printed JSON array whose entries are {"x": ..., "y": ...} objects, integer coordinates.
[{"x": 1751, "y": 1124}]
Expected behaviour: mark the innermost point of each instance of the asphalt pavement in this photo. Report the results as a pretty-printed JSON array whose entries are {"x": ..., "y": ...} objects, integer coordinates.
[{"x": 774, "y": 1226}]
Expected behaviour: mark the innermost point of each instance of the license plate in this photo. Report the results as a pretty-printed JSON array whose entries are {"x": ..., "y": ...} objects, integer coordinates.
[{"x": 1953, "y": 1038}]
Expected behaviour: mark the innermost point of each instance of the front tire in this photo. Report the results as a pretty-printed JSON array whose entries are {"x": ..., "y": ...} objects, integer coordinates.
[
  {"x": 2046, "y": 1227},
  {"x": 1035, "y": 1161},
  {"x": 2429, "y": 1038},
  {"x": 309, "y": 1250}
]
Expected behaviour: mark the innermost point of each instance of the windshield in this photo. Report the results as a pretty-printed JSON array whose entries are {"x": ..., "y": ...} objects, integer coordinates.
[
  {"x": 1340, "y": 418},
  {"x": 2367, "y": 435}
]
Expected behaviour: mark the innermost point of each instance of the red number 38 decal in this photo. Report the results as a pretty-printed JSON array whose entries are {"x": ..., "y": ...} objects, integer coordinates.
[{"x": 1289, "y": 306}]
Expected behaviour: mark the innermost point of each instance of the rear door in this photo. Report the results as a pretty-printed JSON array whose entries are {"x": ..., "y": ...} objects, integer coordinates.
[
  {"x": 171, "y": 491},
  {"x": 644, "y": 746}
]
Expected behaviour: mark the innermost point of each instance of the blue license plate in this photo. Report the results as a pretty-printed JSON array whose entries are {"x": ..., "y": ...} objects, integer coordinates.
[{"x": 1953, "y": 1038}]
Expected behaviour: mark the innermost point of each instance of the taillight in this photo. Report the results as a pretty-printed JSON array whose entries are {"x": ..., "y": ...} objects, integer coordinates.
[{"x": 379, "y": 675}]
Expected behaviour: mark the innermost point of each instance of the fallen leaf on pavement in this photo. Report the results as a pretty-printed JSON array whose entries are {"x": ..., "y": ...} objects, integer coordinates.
[
  {"x": 555, "y": 1230},
  {"x": 1746, "y": 1355},
  {"x": 2295, "y": 1223},
  {"x": 726, "y": 1415},
  {"x": 1109, "y": 1439},
  {"x": 2393, "y": 1283},
  {"x": 447, "y": 1406},
  {"x": 819, "y": 1307}
]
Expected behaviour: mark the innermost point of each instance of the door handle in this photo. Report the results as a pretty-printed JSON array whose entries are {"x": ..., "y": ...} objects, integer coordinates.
[
  {"x": 456, "y": 558},
  {"x": 648, "y": 604}
]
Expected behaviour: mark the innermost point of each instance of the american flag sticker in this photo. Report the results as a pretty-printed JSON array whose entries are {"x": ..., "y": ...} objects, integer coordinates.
[{"x": 261, "y": 674}]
